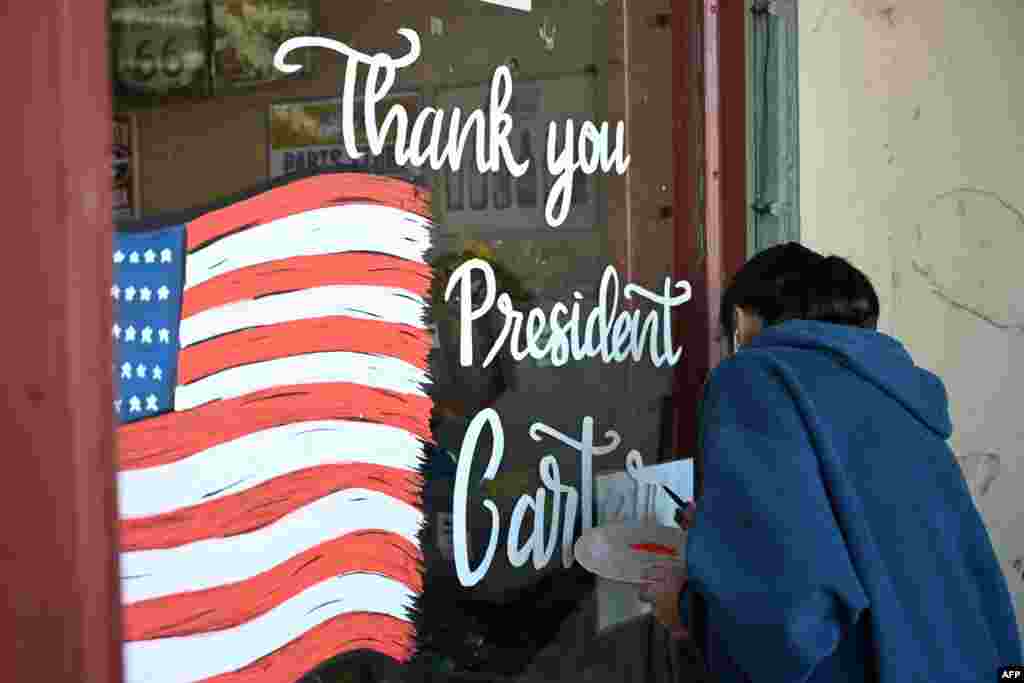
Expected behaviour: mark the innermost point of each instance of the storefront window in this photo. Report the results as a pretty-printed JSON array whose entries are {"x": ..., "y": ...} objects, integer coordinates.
[{"x": 219, "y": 125}]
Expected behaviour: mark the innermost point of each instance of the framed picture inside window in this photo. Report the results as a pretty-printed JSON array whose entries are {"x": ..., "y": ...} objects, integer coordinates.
[
  {"x": 164, "y": 49},
  {"x": 492, "y": 202},
  {"x": 247, "y": 34},
  {"x": 306, "y": 135},
  {"x": 159, "y": 48}
]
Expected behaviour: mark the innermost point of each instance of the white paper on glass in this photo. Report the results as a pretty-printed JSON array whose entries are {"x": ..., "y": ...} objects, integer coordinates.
[{"x": 620, "y": 498}]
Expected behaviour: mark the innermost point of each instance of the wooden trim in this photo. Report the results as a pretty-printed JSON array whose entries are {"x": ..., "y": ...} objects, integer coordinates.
[
  {"x": 726, "y": 144},
  {"x": 710, "y": 117},
  {"x": 736, "y": 138},
  {"x": 58, "y": 520},
  {"x": 687, "y": 136}
]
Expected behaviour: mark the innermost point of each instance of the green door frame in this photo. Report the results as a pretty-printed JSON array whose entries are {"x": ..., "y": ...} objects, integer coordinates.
[{"x": 773, "y": 171}]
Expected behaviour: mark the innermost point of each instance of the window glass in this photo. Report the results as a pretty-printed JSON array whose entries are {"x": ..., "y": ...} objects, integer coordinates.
[{"x": 214, "y": 124}]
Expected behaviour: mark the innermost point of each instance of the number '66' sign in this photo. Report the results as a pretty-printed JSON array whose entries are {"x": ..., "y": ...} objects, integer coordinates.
[{"x": 155, "y": 60}]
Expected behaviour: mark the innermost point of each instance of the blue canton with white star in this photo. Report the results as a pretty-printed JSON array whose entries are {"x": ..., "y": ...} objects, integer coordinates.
[{"x": 149, "y": 277}]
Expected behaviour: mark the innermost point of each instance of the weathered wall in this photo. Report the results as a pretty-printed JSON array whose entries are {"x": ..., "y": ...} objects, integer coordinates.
[{"x": 911, "y": 155}]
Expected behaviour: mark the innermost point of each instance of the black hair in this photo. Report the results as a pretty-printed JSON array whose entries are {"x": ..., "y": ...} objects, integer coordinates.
[
  {"x": 837, "y": 292},
  {"x": 790, "y": 281}
]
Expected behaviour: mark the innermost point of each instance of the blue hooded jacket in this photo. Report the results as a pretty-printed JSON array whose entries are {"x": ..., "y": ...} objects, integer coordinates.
[{"x": 836, "y": 539}]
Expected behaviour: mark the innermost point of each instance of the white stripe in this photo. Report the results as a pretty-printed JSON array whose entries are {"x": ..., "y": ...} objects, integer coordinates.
[
  {"x": 378, "y": 372},
  {"x": 229, "y": 468},
  {"x": 201, "y": 656},
  {"x": 335, "y": 229},
  {"x": 389, "y": 304},
  {"x": 524, "y": 5},
  {"x": 213, "y": 562}
]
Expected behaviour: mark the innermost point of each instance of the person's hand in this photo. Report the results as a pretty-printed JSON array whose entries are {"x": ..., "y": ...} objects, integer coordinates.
[
  {"x": 686, "y": 517},
  {"x": 664, "y": 583}
]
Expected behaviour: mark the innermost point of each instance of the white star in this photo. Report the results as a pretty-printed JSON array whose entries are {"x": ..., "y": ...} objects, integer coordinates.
[
  {"x": 115, "y": 292},
  {"x": 134, "y": 405},
  {"x": 151, "y": 404},
  {"x": 116, "y": 331},
  {"x": 129, "y": 334},
  {"x": 117, "y": 406},
  {"x": 129, "y": 293},
  {"x": 163, "y": 292},
  {"x": 157, "y": 373},
  {"x": 140, "y": 370},
  {"x": 165, "y": 256},
  {"x": 118, "y": 256},
  {"x": 147, "y": 335},
  {"x": 126, "y": 371},
  {"x": 150, "y": 256},
  {"x": 165, "y": 335},
  {"x": 133, "y": 257}
]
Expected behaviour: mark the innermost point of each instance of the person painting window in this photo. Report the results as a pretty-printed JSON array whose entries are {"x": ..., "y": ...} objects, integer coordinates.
[{"x": 836, "y": 539}]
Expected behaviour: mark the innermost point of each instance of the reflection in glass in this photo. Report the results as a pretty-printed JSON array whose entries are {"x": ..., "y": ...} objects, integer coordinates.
[
  {"x": 455, "y": 188},
  {"x": 477, "y": 190},
  {"x": 549, "y": 182},
  {"x": 502, "y": 189},
  {"x": 580, "y": 189},
  {"x": 526, "y": 184},
  {"x": 535, "y": 624}
]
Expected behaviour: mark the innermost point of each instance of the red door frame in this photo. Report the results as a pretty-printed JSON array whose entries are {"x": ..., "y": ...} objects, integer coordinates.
[
  {"x": 710, "y": 117},
  {"x": 710, "y": 114},
  {"x": 61, "y": 620}
]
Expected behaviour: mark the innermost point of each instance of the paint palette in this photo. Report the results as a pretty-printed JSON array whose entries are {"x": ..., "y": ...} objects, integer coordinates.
[{"x": 624, "y": 551}]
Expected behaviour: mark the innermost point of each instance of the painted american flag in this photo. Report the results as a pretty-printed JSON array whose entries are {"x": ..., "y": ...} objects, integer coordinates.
[{"x": 271, "y": 364}]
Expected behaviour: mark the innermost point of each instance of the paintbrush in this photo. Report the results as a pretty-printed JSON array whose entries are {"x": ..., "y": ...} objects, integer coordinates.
[{"x": 675, "y": 498}]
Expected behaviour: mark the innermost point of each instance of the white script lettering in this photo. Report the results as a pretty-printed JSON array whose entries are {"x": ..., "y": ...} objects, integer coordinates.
[
  {"x": 518, "y": 549},
  {"x": 564, "y": 164},
  {"x": 587, "y": 152},
  {"x": 609, "y": 333}
]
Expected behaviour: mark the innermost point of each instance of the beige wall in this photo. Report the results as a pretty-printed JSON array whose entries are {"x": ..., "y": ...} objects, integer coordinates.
[{"x": 911, "y": 156}]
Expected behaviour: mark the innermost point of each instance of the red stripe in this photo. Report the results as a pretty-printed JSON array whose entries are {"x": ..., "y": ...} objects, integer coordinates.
[
  {"x": 222, "y": 607},
  {"x": 303, "y": 272},
  {"x": 346, "y": 633},
  {"x": 311, "y": 335},
  {"x": 171, "y": 437},
  {"x": 264, "y": 504},
  {"x": 305, "y": 195}
]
